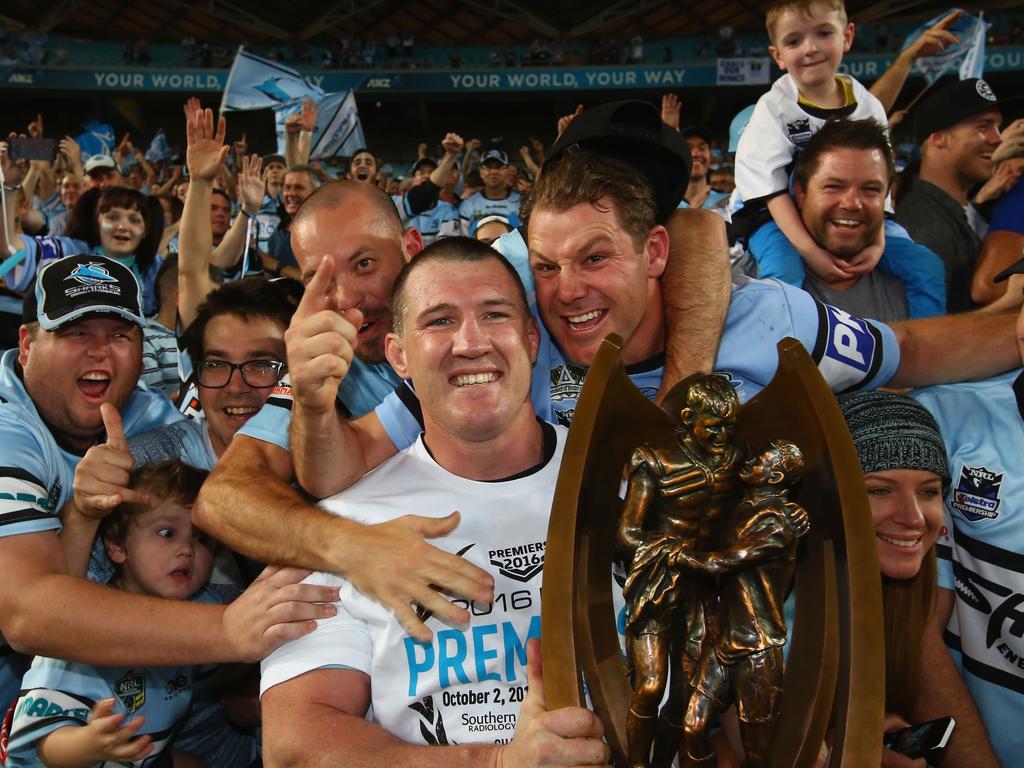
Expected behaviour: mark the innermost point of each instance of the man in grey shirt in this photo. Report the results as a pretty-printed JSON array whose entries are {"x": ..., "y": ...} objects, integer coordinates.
[{"x": 842, "y": 179}]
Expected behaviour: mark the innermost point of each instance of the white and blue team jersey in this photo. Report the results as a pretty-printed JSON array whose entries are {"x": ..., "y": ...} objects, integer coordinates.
[
  {"x": 850, "y": 352},
  {"x": 465, "y": 685},
  {"x": 37, "y": 475},
  {"x": 477, "y": 206},
  {"x": 362, "y": 389},
  {"x": 268, "y": 217},
  {"x": 440, "y": 221},
  {"x": 780, "y": 126},
  {"x": 56, "y": 694},
  {"x": 35, "y": 251},
  {"x": 981, "y": 547}
]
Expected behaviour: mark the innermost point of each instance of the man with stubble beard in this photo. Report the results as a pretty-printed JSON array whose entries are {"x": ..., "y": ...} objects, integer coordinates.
[{"x": 356, "y": 229}]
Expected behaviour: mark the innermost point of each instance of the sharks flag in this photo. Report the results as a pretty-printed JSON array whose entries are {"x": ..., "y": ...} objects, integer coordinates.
[
  {"x": 258, "y": 83},
  {"x": 337, "y": 131},
  {"x": 968, "y": 54},
  {"x": 97, "y": 139}
]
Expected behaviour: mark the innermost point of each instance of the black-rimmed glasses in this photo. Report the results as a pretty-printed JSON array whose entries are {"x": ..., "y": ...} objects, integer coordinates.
[{"x": 215, "y": 374}]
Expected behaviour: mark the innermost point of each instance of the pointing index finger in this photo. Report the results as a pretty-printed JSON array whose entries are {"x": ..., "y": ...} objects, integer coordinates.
[
  {"x": 946, "y": 21},
  {"x": 316, "y": 296}
]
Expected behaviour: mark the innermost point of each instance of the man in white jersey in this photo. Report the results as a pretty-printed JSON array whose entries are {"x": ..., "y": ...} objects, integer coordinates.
[{"x": 464, "y": 334}]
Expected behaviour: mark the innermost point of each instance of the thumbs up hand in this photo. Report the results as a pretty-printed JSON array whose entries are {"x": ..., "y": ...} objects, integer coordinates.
[{"x": 103, "y": 474}]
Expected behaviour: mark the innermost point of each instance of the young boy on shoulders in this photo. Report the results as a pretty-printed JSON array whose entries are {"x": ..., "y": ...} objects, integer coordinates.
[
  {"x": 72, "y": 715},
  {"x": 808, "y": 40}
]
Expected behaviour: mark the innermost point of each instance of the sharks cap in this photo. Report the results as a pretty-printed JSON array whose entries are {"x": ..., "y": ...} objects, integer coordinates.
[{"x": 70, "y": 288}]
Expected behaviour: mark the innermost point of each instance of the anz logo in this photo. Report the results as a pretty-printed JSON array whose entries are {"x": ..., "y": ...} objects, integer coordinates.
[{"x": 378, "y": 82}]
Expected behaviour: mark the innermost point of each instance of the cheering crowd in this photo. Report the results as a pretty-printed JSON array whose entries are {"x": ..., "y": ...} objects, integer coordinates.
[{"x": 307, "y": 415}]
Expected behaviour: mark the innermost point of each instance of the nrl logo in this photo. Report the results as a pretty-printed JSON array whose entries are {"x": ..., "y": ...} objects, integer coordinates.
[
  {"x": 976, "y": 496},
  {"x": 131, "y": 691}
]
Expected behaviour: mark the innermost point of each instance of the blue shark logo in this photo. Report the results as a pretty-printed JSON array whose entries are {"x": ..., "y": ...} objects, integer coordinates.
[
  {"x": 91, "y": 273},
  {"x": 270, "y": 88}
]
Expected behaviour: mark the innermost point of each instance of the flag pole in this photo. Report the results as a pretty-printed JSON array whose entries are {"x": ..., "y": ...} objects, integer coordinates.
[{"x": 227, "y": 85}]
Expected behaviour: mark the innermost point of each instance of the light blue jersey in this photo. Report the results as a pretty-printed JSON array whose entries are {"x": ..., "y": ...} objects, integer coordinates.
[
  {"x": 37, "y": 475},
  {"x": 431, "y": 222},
  {"x": 57, "y": 693},
  {"x": 477, "y": 206},
  {"x": 981, "y": 547},
  {"x": 365, "y": 386},
  {"x": 851, "y": 353}
]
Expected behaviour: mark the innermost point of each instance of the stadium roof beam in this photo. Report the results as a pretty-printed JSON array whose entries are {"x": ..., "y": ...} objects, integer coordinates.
[
  {"x": 886, "y": 8},
  {"x": 517, "y": 12},
  {"x": 624, "y": 9},
  {"x": 335, "y": 14},
  {"x": 233, "y": 14},
  {"x": 60, "y": 12}
]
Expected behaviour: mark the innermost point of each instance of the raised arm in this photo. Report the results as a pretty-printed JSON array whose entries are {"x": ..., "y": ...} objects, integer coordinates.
[
  {"x": 695, "y": 290},
  {"x": 205, "y": 154},
  {"x": 13, "y": 174},
  {"x": 251, "y": 189},
  {"x": 935, "y": 39},
  {"x": 329, "y": 451}
]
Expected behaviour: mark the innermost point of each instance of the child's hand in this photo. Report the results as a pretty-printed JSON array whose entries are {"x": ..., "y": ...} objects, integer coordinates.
[
  {"x": 824, "y": 265},
  {"x": 865, "y": 261},
  {"x": 108, "y": 739}
]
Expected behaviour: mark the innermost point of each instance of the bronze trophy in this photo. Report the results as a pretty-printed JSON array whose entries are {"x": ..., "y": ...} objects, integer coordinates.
[{"x": 711, "y": 542}]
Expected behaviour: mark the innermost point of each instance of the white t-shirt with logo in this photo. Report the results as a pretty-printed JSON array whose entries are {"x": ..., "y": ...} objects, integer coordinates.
[{"x": 467, "y": 684}]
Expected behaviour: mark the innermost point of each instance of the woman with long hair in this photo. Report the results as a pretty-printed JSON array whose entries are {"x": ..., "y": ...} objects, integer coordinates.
[{"x": 903, "y": 459}]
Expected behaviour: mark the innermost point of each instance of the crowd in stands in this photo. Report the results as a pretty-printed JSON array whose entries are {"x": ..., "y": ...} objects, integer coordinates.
[
  {"x": 309, "y": 414},
  {"x": 400, "y": 51}
]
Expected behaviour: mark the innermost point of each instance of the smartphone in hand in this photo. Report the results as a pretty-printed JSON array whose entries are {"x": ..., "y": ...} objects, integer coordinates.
[{"x": 918, "y": 740}]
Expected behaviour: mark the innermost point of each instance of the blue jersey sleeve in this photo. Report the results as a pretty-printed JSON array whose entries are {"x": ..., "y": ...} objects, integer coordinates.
[
  {"x": 28, "y": 470},
  {"x": 1008, "y": 216},
  {"x": 271, "y": 423},
  {"x": 55, "y": 694},
  {"x": 401, "y": 417},
  {"x": 851, "y": 353}
]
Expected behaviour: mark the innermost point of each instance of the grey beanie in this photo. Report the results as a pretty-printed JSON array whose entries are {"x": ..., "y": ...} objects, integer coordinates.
[{"x": 894, "y": 432}]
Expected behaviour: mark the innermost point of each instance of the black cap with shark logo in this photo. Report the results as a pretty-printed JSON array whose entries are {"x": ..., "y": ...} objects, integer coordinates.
[{"x": 70, "y": 288}]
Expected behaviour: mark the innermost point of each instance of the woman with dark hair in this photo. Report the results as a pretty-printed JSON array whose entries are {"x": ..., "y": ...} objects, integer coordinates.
[{"x": 120, "y": 223}]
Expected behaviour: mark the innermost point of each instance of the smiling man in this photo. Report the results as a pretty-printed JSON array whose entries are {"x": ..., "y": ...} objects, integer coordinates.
[
  {"x": 958, "y": 129},
  {"x": 465, "y": 336},
  {"x": 841, "y": 180}
]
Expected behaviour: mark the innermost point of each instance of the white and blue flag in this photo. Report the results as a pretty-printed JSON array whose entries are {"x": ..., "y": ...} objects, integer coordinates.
[
  {"x": 973, "y": 65},
  {"x": 968, "y": 54},
  {"x": 159, "y": 149},
  {"x": 337, "y": 130},
  {"x": 98, "y": 139},
  {"x": 258, "y": 83}
]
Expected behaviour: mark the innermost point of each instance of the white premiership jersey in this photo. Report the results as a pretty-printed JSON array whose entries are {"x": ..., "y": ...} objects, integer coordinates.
[
  {"x": 779, "y": 126},
  {"x": 467, "y": 684}
]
